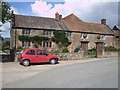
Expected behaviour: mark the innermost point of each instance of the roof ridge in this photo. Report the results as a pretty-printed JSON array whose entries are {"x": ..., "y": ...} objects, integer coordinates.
[{"x": 33, "y": 16}]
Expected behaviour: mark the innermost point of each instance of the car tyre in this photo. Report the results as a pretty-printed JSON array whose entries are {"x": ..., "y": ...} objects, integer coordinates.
[
  {"x": 53, "y": 61},
  {"x": 25, "y": 62}
]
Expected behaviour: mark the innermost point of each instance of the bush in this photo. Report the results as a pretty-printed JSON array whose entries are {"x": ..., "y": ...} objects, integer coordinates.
[
  {"x": 56, "y": 51},
  {"x": 19, "y": 47},
  {"x": 77, "y": 49},
  {"x": 65, "y": 50},
  {"x": 110, "y": 48},
  {"x": 92, "y": 50}
]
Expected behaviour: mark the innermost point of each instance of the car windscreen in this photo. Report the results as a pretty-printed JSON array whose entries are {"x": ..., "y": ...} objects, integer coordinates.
[{"x": 22, "y": 51}]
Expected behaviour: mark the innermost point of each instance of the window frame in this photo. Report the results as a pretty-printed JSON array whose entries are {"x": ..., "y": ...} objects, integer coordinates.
[{"x": 30, "y": 54}]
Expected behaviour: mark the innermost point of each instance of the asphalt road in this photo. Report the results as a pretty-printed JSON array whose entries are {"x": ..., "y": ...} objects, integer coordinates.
[{"x": 95, "y": 74}]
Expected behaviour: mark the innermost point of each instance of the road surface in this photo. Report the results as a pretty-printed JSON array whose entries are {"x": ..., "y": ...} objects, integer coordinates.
[{"x": 95, "y": 74}]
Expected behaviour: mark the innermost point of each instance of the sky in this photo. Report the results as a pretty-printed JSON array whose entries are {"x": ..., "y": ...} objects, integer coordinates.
[{"x": 88, "y": 11}]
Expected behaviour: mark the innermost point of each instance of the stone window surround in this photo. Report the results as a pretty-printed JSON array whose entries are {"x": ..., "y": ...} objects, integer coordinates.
[
  {"x": 26, "y": 31},
  {"x": 47, "y": 44},
  {"x": 47, "y": 33}
]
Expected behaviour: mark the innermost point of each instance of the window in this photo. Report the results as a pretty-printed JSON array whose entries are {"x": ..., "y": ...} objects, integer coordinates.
[
  {"x": 50, "y": 44},
  {"x": 44, "y": 44},
  {"x": 47, "y": 44},
  {"x": 28, "y": 43},
  {"x": 44, "y": 32},
  {"x": 29, "y": 31},
  {"x": 31, "y": 52},
  {"x": 70, "y": 34},
  {"x": 26, "y": 31},
  {"x": 50, "y": 33},
  {"x": 39, "y": 52},
  {"x": 102, "y": 37},
  {"x": 22, "y": 51},
  {"x": 47, "y": 33},
  {"x": 81, "y": 36},
  {"x": 23, "y": 44},
  {"x": 23, "y": 31}
]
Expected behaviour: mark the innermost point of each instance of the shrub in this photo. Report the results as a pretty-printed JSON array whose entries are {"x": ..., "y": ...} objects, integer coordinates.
[
  {"x": 92, "y": 50},
  {"x": 65, "y": 50},
  {"x": 56, "y": 51},
  {"x": 77, "y": 49},
  {"x": 110, "y": 48}
]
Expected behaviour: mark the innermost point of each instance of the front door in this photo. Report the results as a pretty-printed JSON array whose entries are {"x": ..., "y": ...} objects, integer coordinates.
[
  {"x": 69, "y": 47},
  {"x": 41, "y": 56}
]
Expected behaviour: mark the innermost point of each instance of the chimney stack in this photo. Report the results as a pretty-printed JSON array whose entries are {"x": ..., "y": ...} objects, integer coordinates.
[
  {"x": 57, "y": 16},
  {"x": 103, "y": 21},
  {"x": 60, "y": 17}
]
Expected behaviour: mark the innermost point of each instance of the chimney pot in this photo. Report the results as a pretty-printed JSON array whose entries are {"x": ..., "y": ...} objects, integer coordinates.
[
  {"x": 103, "y": 21},
  {"x": 57, "y": 16},
  {"x": 60, "y": 17}
]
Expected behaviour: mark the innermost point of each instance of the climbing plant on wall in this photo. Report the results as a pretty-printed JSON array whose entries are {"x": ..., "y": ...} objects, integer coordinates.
[
  {"x": 60, "y": 38},
  {"x": 34, "y": 39}
]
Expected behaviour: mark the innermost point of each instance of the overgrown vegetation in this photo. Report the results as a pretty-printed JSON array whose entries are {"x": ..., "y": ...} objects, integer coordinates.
[
  {"x": 6, "y": 45},
  {"x": 110, "y": 48},
  {"x": 77, "y": 49},
  {"x": 60, "y": 38},
  {"x": 65, "y": 50},
  {"x": 92, "y": 53}
]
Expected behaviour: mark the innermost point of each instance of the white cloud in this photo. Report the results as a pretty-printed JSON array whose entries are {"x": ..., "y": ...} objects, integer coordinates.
[
  {"x": 15, "y": 10},
  {"x": 5, "y": 30},
  {"x": 89, "y": 10}
]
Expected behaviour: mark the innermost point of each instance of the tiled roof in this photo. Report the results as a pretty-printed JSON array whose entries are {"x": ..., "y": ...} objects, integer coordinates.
[
  {"x": 37, "y": 22},
  {"x": 69, "y": 23},
  {"x": 76, "y": 24}
]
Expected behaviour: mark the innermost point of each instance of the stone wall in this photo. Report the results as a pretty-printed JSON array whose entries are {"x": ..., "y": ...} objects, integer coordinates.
[
  {"x": 108, "y": 54},
  {"x": 70, "y": 56}
]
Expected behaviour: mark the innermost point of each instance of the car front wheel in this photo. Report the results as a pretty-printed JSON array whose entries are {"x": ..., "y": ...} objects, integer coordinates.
[
  {"x": 53, "y": 61},
  {"x": 26, "y": 62}
]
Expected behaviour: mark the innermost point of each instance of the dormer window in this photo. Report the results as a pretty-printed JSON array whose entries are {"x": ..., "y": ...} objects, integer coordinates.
[
  {"x": 102, "y": 37},
  {"x": 69, "y": 34}
]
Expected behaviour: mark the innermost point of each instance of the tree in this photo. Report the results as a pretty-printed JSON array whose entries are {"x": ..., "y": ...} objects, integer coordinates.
[
  {"x": 60, "y": 38},
  {"x": 5, "y": 12}
]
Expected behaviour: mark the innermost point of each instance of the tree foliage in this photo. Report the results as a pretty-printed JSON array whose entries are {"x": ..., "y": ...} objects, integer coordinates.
[
  {"x": 60, "y": 38},
  {"x": 5, "y": 12}
]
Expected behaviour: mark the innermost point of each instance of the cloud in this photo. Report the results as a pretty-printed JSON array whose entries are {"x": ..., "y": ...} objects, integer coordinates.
[
  {"x": 89, "y": 10},
  {"x": 15, "y": 10},
  {"x": 5, "y": 30}
]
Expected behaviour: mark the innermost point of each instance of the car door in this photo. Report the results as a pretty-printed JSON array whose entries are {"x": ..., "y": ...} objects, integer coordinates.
[
  {"x": 41, "y": 56},
  {"x": 30, "y": 54}
]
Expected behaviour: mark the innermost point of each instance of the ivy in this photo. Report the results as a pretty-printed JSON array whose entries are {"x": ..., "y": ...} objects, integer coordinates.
[
  {"x": 60, "y": 38},
  {"x": 34, "y": 39}
]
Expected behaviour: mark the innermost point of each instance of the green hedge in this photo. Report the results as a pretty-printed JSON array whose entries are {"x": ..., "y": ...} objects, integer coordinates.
[{"x": 110, "y": 48}]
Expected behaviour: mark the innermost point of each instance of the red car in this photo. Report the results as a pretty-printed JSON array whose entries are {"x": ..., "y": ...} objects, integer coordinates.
[{"x": 28, "y": 56}]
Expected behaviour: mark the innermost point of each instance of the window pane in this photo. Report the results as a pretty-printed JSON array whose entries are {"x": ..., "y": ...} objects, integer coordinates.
[
  {"x": 26, "y": 31},
  {"x": 22, "y": 43},
  {"x": 29, "y": 44},
  {"x": 44, "y": 44},
  {"x": 47, "y": 44},
  {"x": 50, "y": 44},
  {"x": 44, "y": 32},
  {"x": 47, "y": 33},
  {"x": 50, "y": 33},
  {"x": 39, "y": 52},
  {"x": 31, "y": 52},
  {"x": 29, "y": 31},
  {"x": 23, "y": 31}
]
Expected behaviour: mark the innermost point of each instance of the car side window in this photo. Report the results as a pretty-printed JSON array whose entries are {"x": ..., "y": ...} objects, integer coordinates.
[
  {"x": 39, "y": 52},
  {"x": 31, "y": 52}
]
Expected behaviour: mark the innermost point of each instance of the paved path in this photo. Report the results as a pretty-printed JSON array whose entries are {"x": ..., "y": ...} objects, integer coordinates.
[{"x": 95, "y": 74}]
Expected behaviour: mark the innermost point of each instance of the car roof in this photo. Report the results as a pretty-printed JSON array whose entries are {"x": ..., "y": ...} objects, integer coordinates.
[{"x": 33, "y": 49}]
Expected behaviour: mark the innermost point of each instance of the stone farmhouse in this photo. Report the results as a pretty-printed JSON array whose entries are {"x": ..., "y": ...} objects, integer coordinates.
[{"x": 80, "y": 34}]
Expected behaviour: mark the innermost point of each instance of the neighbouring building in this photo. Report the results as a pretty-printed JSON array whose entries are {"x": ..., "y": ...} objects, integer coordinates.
[
  {"x": 76, "y": 30},
  {"x": 116, "y": 30}
]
